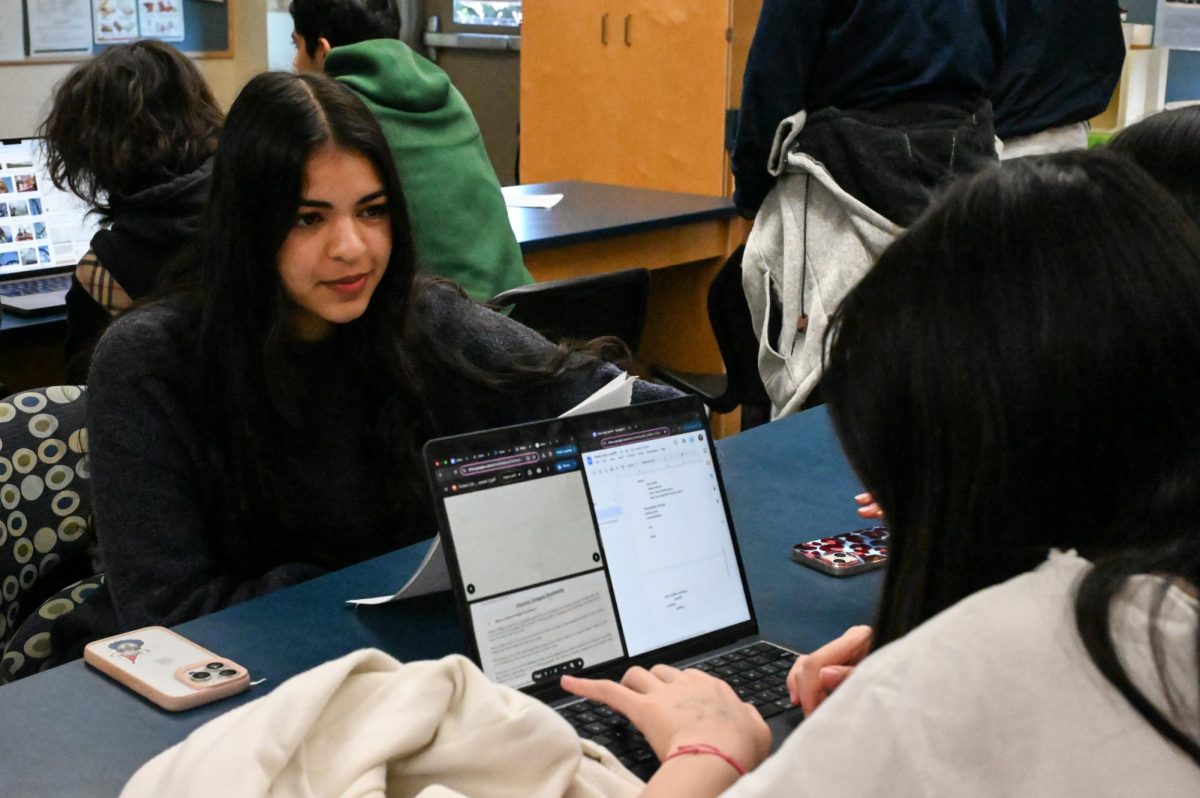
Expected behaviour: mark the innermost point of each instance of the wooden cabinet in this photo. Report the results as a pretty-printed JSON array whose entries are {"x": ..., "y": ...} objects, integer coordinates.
[{"x": 632, "y": 92}]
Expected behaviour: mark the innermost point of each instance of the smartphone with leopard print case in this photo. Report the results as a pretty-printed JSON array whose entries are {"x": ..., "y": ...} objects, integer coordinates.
[{"x": 846, "y": 554}]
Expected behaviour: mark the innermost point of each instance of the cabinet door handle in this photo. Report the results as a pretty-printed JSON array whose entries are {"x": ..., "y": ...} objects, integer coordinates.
[
  {"x": 628, "y": 17},
  {"x": 604, "y": 30}
]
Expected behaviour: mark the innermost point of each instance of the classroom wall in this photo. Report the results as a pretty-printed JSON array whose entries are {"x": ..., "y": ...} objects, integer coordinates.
[
  {"x": 1183, "y": 68},
  {"x": 25, "y": 89}
]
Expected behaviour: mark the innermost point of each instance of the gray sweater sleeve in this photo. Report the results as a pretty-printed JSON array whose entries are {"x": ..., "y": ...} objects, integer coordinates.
[{"x": 153, "y": 490}]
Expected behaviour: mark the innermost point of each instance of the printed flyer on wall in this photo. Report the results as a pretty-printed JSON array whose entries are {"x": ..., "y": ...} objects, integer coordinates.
[
  {"x": 1177, "y": 25},
  {"x": 161, "y": 19},
  {"x": 58, "y": 27},
  {"x": 114, "y": 21},
  {"x": 12, "y": 32}
]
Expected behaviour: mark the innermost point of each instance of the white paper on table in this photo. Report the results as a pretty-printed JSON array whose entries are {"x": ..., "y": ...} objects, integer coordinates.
[
  {"x": 618, "y": 392},
  {"x": 432, "y": 574},
  {"x": 543, "y": 201}
]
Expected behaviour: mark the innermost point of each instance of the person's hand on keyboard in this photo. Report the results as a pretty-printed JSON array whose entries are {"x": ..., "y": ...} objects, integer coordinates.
[
  {"x": 675, "y": 709},
  {"x": 816, "y": 675}
]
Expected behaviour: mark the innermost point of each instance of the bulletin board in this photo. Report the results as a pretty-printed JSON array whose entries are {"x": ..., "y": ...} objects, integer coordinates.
[{"x": 40, "y": 31}]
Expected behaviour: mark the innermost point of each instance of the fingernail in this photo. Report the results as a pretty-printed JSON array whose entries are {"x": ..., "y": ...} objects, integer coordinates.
[{"x": 862, "y": 497}]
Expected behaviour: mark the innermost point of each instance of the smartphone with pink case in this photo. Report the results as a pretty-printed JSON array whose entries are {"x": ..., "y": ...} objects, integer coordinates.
[{"x": 166, "y": 668}]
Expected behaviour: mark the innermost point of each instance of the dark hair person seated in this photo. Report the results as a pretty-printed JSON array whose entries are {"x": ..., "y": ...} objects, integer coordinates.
[
  {"x": 1015, "y": 382},
  {"x": 1167, "y": 145},
  {"x": 263, "y": 425},
  {"x": 131, "y": 132}
]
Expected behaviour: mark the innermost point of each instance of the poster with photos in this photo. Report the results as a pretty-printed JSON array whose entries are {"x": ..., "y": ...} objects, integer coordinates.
[
  {"x": 114, "y": 21},
  {"x": 1177, "y": 25},
  {"x": 161, "y": 19}
]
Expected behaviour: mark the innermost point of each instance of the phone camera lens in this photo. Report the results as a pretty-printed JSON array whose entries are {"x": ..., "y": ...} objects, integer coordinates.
[
  {"x": 229, "y": 672},
  {"x": 200, "y": 676},
  {"x": 215, "y": 666}
]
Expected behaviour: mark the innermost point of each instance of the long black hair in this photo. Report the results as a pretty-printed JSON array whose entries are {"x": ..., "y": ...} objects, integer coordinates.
[
  {"x": 249, "y": 393},
  {"x": 1167, "y": 146},
  {"x": 1020, "y": 372}
]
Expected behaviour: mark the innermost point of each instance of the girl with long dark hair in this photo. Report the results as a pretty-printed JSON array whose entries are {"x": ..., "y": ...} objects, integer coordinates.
[
  {"x": 1015, "y": 382},
  {"x": 263, "y": 425}
]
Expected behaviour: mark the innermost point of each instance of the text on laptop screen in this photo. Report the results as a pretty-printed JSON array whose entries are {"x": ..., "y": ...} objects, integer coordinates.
[
  {"x": 40, "y": 226},
  {"x": 591, "y": 546}
]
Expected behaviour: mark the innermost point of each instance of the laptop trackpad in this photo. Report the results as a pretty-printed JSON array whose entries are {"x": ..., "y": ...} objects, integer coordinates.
[{"x": 35, "y": 304}]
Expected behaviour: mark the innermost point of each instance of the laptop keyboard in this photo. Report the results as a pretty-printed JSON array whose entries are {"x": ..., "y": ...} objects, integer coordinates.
[
  {"x": 39, "y": 285},
  {"x": 758, "y": 672}
]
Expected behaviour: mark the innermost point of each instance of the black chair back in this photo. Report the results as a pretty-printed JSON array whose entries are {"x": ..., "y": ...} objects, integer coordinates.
[
  {"x": 583, "y": 307},
  {"x": 741, "y": 384}
]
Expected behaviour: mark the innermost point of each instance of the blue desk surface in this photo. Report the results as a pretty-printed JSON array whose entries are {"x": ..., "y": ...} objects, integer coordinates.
[
  {"x": 11, "y": 322},
  {"x": 71, "y": 731}
]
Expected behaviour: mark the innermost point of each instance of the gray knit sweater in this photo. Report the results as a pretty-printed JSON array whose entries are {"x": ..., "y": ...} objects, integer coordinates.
[{"x": 167, "y": 539}]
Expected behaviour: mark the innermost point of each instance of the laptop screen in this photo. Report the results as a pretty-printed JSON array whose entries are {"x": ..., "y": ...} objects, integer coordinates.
[
  {"x": 580, "y": 543},
  {"x": 40, "y": 226}
]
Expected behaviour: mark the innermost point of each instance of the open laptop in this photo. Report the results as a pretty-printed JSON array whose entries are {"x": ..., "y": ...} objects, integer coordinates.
[
  {"x": 592, "y": 543},
  {"x": 43, "y": 232}
]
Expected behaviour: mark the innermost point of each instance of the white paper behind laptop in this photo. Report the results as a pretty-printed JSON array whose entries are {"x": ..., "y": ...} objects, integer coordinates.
[{"x": 432, "y": 575}]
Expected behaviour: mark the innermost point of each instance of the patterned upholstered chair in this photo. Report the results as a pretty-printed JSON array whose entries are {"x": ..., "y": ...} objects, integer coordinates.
[
  {"x": 45, "y": 511},
  {"x": 28, "y": 650}
]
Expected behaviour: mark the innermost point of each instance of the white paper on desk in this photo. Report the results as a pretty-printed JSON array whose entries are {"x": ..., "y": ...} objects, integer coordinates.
[
  {"x": 432, "y": 574},
  {"x": 618, "y": 392},
  {"x": 543, "y": 201}
]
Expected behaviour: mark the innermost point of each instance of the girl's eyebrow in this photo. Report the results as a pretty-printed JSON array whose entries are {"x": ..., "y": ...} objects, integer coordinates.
[{"x": 315, "y": 203}]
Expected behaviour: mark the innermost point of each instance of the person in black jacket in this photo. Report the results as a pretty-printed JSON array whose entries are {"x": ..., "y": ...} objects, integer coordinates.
[
  {"x": 1062, "y": 61},
  {"x": 132, "y": 133},
  {"x": 913, "y": 74}
]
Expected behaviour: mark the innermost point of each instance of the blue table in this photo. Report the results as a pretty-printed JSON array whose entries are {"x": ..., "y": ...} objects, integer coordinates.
[{"x": 71, "y": 731}]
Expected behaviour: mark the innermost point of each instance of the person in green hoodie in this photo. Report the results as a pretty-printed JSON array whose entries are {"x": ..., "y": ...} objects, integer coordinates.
[{"x": 459, "y": 222}]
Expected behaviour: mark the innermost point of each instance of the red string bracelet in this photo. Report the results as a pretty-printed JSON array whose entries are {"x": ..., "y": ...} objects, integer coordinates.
[{"x": 705, "y": 748}]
